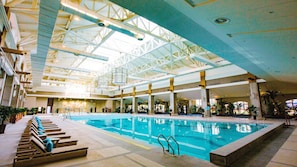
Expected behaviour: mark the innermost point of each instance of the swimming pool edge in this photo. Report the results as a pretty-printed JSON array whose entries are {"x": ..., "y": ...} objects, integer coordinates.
[{"x": 226, "y": 155}]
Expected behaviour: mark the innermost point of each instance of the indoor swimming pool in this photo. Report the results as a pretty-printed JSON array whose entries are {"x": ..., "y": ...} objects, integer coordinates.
[{"x": 194, "y": 137}]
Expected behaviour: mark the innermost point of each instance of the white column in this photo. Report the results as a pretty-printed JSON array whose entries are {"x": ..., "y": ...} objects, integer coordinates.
[
  {"x": 134, "y": 104},
  {"x": 173, "y": 103},
  {"x": 122, "y": 102},
  {"x": 255, "y": 98},
  {"x": 151, "y": 104},
  {"x": 121, "y": 105},
  {"x": 205, "y": 101}
]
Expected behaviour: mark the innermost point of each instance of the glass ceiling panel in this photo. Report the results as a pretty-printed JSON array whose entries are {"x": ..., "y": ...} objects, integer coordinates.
[{"x": 92, "y": 65}]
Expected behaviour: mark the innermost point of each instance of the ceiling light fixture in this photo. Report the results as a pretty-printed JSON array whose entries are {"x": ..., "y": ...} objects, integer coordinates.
[
  {"x": 119, "y": 76},
  {"x": 222, "y": 20},
  {"x": 139, "y": 37},
  {"x": 76, "y": 18},
  {"x": 104, "y": 23}
]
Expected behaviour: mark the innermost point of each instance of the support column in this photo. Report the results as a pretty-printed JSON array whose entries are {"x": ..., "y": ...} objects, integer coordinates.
[
  {"x": 121, "y": 105},
  {"x": 122, "y": 102},
  {"x": 21, "y": 98},
  {"x": 134, "y": 101},
  {"x": 151, "y": 100},
  {"x": 173, "y": 103},
  {"x": 172, "y": 98},
  {"x": 205, "y": 102},
  {"x": 2, "y": 83},
  {"x": 15, "y": 95},
  {"x": 7, "y": 92},
  {"x": 204, "y": 95},
  {"x": 255, "y": 95}
]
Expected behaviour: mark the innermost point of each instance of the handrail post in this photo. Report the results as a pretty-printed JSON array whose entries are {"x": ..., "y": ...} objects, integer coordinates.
[
  {"x": 171, "y": 137},
  {"x": 168, "y": 144},
  {"x": 161, "y": 135}
]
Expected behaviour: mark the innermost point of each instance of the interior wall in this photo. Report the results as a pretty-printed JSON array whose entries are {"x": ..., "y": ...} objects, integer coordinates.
[
  {"x": 41, "y": 102},
  {"x": 30, "y": 102},
  {"x": 77, "y": 105}
]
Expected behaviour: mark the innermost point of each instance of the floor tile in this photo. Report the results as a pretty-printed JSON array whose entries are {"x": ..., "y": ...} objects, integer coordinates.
[{"x": 286, "y": 157}]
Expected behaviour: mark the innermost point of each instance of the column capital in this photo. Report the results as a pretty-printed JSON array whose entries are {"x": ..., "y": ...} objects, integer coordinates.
[
  {"x": 134, "y": 91},
  {"x": 149, "y": 91},
  {"x": 251, "y": 78},
  {"x": 202, "y": 79},
  {"x": 171, "y": 86}
]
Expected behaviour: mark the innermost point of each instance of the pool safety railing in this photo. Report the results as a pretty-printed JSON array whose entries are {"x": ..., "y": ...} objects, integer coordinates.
[
  {"x": 176, "y": 143},
  {"x": 169, "y": 146}
]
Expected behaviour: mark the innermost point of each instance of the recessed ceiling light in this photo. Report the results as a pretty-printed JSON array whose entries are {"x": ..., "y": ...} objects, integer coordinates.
[
  {"x": 101, "y": 24},
  {"x": 222, "y": 20},
  {"x": 76, "y": 18},
  {"x": 139, "y": 37}
]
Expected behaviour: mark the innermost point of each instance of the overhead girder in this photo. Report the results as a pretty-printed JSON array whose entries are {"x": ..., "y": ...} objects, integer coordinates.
[
  {"x": 99, "y": 19},
  {"x": 181, "y": 51},
  {"x": 153, "y": 28},
  {"x": 78, "y": 52},
  {"x": 68, "y": 68},
  {"x": 152, "y": 57},
  {"x": 180, "y": 55}
]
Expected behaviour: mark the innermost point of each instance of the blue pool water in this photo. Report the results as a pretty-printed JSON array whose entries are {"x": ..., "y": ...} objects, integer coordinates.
[{"x": 195, "y": 138}]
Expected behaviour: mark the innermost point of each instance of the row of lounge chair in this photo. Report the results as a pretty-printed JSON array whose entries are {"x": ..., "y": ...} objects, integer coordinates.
[{"x": 44, "y": 142}]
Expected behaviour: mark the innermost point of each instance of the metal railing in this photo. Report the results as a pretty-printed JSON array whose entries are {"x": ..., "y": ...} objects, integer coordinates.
[
  {"x": 171, "y": 137},
  {"x": 169, "y": 146}
]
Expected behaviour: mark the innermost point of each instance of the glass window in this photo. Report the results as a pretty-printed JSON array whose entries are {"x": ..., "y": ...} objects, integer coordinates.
[
  {"x": 240, "y": 107},
  {"x": 291, "y": 104}
]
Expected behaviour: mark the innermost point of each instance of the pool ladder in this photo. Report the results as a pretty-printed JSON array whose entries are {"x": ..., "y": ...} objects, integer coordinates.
[{"x": 169, "y": 146}]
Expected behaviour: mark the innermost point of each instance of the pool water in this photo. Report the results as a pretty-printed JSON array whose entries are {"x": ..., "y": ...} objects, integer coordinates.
[{"x": 195, "y": 138}]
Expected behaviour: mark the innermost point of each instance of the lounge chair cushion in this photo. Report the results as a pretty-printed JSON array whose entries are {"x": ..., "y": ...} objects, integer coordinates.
[
  {"x": 49, "y": 146},
  {"x": 40, "y": 127},
  {"x": 46, "y": 140}
]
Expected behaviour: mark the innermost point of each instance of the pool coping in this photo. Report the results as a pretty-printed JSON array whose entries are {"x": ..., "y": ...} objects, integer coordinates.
[{"x": 226, "y": 155}]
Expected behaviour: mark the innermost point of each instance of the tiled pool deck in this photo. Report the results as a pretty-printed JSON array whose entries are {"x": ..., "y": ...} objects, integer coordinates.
[{"x": 106, "y": 149}]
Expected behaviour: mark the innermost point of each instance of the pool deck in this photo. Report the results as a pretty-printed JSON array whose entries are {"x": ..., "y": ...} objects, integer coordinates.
[{"x": 107, "y": 149}]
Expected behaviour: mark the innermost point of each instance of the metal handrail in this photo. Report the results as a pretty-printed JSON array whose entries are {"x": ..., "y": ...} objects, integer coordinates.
[
  {"x": 171, "y": 137},
  {"x": 168, "y": 144},
  {"x": 161, "y": 135}
]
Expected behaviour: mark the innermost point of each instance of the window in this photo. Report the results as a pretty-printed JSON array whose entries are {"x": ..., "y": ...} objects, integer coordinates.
[
  {"x": 291, "y": 104},
  {"x": 240, "y": 107}
]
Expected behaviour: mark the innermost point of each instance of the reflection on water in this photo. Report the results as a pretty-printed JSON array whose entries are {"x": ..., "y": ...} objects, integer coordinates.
[{"x": 244, "y": 128}]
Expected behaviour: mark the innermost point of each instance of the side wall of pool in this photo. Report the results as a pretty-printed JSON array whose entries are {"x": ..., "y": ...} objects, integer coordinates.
[{"x": 225, "y": 156}]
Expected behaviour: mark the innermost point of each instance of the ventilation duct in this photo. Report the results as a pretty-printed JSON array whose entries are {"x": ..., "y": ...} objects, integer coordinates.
[{"x": 48, "y": 13}]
